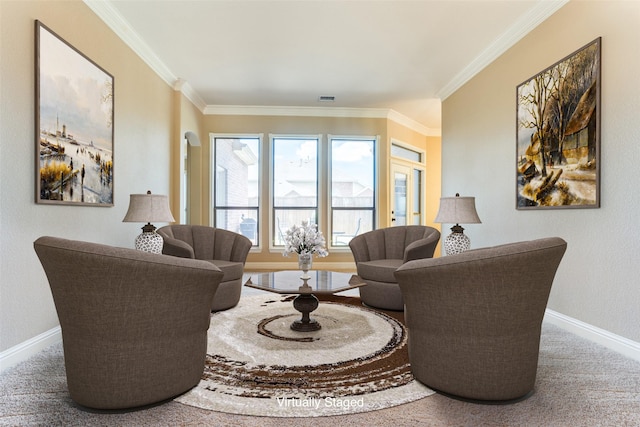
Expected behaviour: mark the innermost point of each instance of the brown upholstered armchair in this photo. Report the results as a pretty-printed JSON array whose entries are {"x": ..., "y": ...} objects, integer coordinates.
[
  {"x": 379, "y": 253},
  {"x": 225, "y": 249},
  {"x": 134, "y": 324},
  {"x": 474, "y": 318}
]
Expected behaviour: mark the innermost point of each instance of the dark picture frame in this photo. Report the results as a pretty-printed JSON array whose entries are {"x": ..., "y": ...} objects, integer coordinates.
[
  {"x": 74, "y": 129},
  {"x": 558, "y": 134}
]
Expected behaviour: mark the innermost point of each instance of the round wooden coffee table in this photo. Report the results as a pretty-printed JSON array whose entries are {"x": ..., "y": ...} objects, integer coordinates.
[{"x": 290, "y": 282}]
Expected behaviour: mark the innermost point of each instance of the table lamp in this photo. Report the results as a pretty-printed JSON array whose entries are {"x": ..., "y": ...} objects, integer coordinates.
[
  {"x": 146, "y": 208},
  {"x": 457, "y": 210}
]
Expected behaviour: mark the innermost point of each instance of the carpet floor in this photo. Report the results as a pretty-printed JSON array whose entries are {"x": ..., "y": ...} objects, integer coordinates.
[{"x": 579, "y": 383}]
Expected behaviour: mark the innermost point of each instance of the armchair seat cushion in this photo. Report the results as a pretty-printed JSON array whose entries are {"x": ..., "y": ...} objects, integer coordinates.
[
  {"x": 381, "y": 270},
  {"x": 231, "y": 270}
]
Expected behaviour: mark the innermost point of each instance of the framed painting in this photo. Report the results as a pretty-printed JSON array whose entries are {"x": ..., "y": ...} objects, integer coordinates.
[
  {"x": 558, "y": 134},
  {"x": 73, "y": 125}
]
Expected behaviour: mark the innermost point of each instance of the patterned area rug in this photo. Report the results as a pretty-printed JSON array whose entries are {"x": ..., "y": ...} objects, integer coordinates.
[{"x": 256, "y": 365}]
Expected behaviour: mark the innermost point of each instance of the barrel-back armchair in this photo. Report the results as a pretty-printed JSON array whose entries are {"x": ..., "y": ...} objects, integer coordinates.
[
  {"x": 380, "y": 252},
  {"x": 474, "y": 319},
  {"x": 225, "y": 249},
  {"x": 134, "y": 324}
]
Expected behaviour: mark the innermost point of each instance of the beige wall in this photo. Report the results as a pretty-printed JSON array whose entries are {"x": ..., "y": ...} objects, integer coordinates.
[
  {"x": 142, "y": 155},
  {"x": 597, "y": 282},
  {"x": 150, "y": 122}
]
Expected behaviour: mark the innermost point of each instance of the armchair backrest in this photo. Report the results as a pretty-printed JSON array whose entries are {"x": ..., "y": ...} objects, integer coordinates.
[
  {"x": 515, "y": 279},
  {"x": 210, "y": 243},
  {"x": 392, "y": 242}
]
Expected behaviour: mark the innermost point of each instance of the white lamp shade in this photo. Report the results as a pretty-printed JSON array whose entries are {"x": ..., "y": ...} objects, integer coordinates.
[
  {"x": 148, "y": 208},
  {"x": 457, "y": 210}
]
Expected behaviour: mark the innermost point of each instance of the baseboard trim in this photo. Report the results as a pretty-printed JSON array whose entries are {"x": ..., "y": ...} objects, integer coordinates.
[
  {"x": 31, "y": 347},
  {"x": 610, "y": 340}
]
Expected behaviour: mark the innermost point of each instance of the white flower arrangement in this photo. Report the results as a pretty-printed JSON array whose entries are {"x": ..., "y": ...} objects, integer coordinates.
[{"x": 304, "y": 239}]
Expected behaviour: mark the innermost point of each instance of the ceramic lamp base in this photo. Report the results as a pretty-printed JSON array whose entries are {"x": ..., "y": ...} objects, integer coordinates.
[
  {"x": 455, "y": 243},
  {"x": 149, "y": 242}
]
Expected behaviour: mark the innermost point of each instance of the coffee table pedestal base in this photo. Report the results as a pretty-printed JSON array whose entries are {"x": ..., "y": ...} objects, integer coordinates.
[{"x": 305, "y": 304}]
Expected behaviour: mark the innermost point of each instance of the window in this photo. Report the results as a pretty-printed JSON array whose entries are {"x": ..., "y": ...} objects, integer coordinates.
[
  {"x": 331, "y": 184},
  {"x": 352, "y": 188},
  {"x": 236, "y": 184},
  {"x": 406, "y": 153},
  {"x": 295, "y": 183}
]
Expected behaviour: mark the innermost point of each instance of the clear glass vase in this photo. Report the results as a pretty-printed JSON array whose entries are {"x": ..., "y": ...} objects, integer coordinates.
[{"x": 304, "y": 263}]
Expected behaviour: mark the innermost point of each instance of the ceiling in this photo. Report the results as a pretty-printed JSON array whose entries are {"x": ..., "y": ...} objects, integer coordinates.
[{"x": 397, "y": 57}]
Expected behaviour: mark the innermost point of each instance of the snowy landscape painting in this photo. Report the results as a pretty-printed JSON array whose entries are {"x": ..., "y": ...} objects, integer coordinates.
[
  {"x": 558, "y": 134},
  {"x": 74, "y": 125}
]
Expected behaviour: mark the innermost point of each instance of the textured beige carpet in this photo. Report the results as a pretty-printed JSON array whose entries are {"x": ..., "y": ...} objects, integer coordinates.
[
  {"x": 256, "y": 365},
  {"x": 579, "y": 383}
]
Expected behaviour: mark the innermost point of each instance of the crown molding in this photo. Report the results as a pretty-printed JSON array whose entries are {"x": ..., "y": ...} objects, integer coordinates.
[
  {"x": 412, "y": 124},
  {"x": 520, "y": 28},
  {"x": 105, "y": 11},
  {"x": 539, "y": 13},
  {"x": 266, "y": 110},
  {"x": 183, "y": 86},
  {"x": 292, "y": 111},
  {"x": 122, "y": 29}
]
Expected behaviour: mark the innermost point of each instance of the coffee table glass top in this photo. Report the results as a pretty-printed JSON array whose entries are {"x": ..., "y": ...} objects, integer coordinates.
[{"x": 289, "y": 282}]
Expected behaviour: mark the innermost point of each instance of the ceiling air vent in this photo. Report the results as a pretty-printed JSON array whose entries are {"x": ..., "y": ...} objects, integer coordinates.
[{"x": 325, "y": 98}]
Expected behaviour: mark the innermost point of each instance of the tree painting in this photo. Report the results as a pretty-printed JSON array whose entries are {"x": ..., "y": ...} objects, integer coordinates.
[{"x": 558, "y": 134}]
